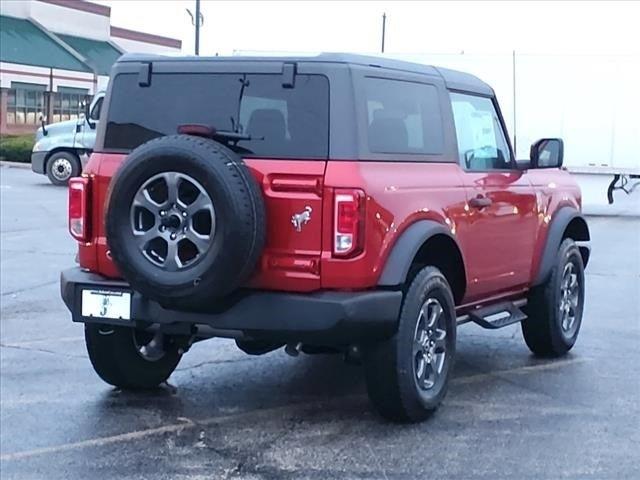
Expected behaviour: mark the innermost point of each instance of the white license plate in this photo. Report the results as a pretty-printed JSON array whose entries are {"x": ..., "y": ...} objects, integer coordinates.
[{"x": 106, "y": 304}]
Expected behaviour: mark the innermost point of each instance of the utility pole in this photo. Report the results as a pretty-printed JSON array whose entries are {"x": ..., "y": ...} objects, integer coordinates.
[
  {"x": 515, "y": 131},
  {"x": 197, "y": 21},
  {"x": 384, "y": 24},
  {"x": 197, "y": 27}
]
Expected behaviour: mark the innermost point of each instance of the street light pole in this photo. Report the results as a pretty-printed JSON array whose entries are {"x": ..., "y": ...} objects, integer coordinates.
[
  {"x": 197, "y": 27},
  {"x": 197, "y": 22},
  {"x": 384, "y": 24}
]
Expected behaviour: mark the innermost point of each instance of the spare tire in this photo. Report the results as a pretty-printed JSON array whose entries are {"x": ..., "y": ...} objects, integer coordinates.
[{"x": 185, "y": 221}]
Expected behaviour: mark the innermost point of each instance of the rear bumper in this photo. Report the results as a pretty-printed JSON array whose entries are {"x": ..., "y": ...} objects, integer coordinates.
[
  {"x": 37, "y": 161},
  {"x": 324, "y": 317}
]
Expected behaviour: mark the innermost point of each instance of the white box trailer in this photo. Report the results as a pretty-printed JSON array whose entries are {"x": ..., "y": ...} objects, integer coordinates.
[{"x": 592, "y": 102}]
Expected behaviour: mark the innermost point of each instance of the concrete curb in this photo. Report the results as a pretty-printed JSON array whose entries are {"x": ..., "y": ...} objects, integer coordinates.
[{"x": 7, "y": 164}]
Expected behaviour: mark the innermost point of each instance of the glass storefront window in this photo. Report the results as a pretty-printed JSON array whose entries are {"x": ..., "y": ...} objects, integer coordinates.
[{"x": 25, "y": 103}]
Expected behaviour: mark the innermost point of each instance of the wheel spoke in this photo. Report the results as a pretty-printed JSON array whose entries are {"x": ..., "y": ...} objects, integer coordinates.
[
  {"x": 573, "y": 301},
  {"x": 172, "y": 179},
  {"x": 417, "y": 346},
  {"x": 421, "y": 341},
  {"x": 435, "y": 366},
  {"x": 201, "y": 242},
  {"x": 570, "y": 321},
  {"x": 144, "y": 200},
  {"x": 440, "y": 337},
  {"x": 201, "y": 202},
  {"x": 143, "y": 238},
  {"x": 421, "y": 368},
  {"x": 434, "y": 314},
  {"x": 422, "y": 316},
  {"x": 172, "y": 261},
  {"x": 573, "y": 282}
]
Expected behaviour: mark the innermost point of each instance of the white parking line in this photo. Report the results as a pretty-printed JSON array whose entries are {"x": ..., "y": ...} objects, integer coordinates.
[
  {"x": 96, "y": 442},
  {"x": 518, "y": 370},
  {"x": 188, "y": 424}
]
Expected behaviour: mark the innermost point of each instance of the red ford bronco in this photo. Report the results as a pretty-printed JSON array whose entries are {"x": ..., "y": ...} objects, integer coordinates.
[{"x": 330, "y": 203}]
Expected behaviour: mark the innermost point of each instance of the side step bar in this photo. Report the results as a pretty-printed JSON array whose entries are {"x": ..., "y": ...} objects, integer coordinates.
[{"x": 497, "y": 315}]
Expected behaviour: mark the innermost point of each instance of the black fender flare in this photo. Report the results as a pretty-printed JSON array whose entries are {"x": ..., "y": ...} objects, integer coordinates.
[
  {"x": 559, "y": 223},
  {"x": 404, "y": 250}
]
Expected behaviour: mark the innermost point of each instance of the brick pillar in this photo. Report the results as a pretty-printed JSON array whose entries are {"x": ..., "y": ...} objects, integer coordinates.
[
  {"x": 48, "y": 106},
  {"x": 3, "y": 111},
  {"x": 50, "y": 98}
]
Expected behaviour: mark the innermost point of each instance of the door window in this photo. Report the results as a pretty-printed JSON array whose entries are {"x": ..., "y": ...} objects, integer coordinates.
[
  {"x": 481, "y": 141},
  {"x": 95, "y": 112}
]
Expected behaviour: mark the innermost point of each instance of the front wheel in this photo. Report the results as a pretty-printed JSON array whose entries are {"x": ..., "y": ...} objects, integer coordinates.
[
  {"x": 129, "y": 358},
  {"x": 407, "y": 375},
  {"x": 62, "y": 166},
  {"x": 555, "y": 308}
]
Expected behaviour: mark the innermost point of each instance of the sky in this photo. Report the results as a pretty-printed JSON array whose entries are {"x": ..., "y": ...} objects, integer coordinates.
[{"x": 412, "y": 27}]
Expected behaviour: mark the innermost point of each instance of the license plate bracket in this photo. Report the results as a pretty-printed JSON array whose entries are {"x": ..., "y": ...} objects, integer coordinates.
[{"x": 101, "y": 303}]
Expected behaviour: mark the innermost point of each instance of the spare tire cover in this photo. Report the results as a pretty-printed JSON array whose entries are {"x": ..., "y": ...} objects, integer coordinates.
[{"x": 185, "y": 221}]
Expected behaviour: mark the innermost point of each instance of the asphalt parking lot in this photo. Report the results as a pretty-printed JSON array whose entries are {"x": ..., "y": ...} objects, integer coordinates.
[{"x": 228, "y": 415}]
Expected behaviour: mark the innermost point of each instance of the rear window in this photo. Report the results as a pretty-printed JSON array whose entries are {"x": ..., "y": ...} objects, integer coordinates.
[{"x": 282, "y": 122}]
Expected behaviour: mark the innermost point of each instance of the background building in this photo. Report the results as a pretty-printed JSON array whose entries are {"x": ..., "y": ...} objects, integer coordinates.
[{"x": 55, "y": 54}]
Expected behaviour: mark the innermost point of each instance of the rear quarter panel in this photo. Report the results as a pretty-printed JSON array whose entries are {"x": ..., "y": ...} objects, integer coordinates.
[{"x": 397, "y": 195}]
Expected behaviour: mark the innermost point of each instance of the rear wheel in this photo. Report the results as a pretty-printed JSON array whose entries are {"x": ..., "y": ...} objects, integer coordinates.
[
  {"x": 130, "y": 358},
  {"x": 408, "y": 374},
  {"x": 555, "y": 308},
  {"x": 62, "y": 166}
]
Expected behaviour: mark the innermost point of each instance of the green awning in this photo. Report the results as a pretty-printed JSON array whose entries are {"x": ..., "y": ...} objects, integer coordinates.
[
  {"x": 23, "y": 42},
  {"x": 99, "y": 55}
]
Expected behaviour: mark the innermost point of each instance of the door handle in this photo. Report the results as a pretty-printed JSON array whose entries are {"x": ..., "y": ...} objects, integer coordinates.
[{"x": 480, "y": 202}]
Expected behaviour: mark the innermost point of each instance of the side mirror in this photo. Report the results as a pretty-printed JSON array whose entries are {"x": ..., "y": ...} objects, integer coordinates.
[
  {"x": 43, "y": 124},
  {"x": 547, "y": 153},
  {"x": 87, "y": 115}
]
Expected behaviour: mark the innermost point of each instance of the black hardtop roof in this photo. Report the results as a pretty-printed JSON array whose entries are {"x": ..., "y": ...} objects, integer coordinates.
[{"x": 453, "y": 79}]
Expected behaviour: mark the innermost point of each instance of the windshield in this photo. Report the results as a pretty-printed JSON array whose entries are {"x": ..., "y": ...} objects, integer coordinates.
[{"x": 281, "y": 122}]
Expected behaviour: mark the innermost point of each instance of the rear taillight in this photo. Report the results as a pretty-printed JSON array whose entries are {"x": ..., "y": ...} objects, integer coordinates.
[
  {"x": 348, "y": 223},
  {"x": 79, "y": 208}
]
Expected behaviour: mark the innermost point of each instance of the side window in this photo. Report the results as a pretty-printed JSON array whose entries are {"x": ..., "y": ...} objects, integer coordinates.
[
  {"x": 481, "y": 141},
  {"x": 403, "y": 117},
  {"x": 97, "y": 107}
]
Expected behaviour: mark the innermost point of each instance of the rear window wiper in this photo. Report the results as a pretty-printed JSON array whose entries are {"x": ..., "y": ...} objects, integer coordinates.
[{"x": 208, "y": 131}]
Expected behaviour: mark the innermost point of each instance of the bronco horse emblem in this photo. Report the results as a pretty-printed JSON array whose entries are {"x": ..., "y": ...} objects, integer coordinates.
[{"x": 298, "y": 220}]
